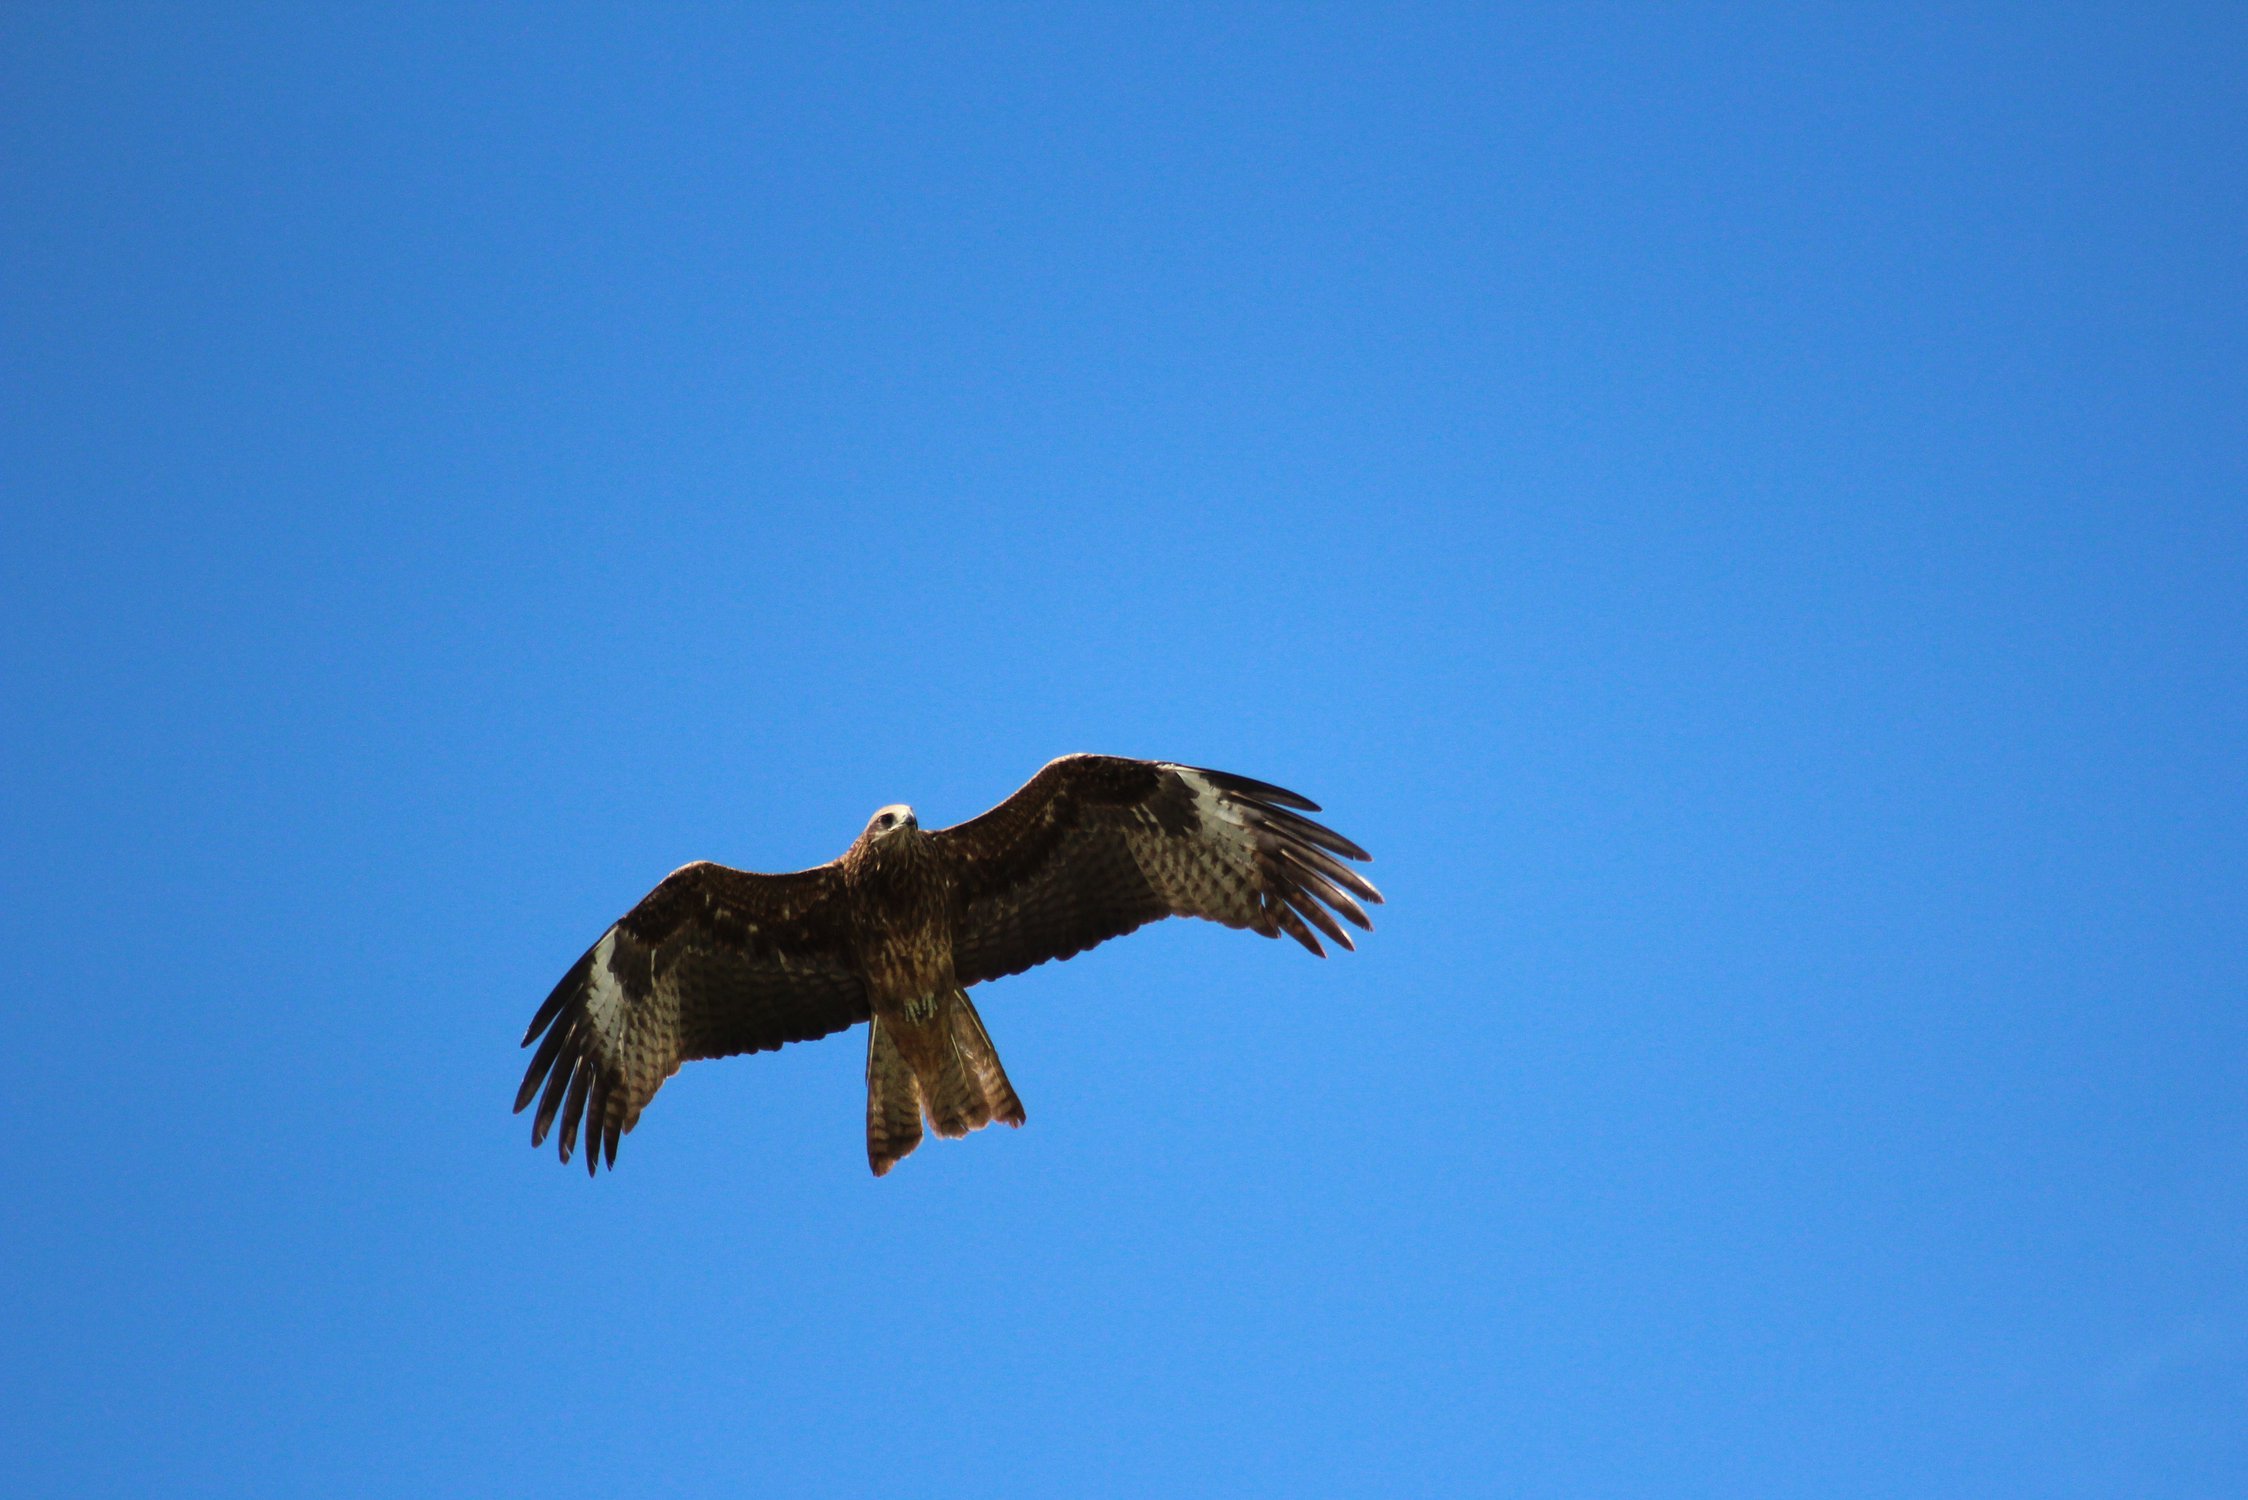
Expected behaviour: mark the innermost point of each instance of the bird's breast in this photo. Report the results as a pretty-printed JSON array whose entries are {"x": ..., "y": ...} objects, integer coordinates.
[{"x": 904, "y": 924}]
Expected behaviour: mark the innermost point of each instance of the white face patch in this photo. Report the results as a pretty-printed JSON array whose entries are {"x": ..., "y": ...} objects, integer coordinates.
[{"x": 604, "y": 1000}]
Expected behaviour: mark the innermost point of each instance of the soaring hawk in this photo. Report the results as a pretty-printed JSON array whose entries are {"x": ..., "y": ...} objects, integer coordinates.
[{"x": 717, "y": 961}]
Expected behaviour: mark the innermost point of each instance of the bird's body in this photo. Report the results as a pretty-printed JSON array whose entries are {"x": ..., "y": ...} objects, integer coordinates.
[
  {"x": 716, "y": 961},
  {"x": 926, "y": 1048}
]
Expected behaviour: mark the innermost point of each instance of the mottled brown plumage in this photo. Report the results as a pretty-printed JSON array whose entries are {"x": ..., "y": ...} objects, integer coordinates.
[{"x": 717, "y": 961}]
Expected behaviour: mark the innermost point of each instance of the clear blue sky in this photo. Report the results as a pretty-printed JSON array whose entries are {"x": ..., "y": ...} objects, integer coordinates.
[{"x": 1742, "y": 510}]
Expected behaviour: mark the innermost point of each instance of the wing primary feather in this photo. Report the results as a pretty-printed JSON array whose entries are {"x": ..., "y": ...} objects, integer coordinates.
[
  {"x": 1327, "y": 891},
  {"x": 556, "y": 1082},
  {"x": 574, "y": 1107},
  {"x": 559, "y": 996},
  {"x": 1293, "y": 925},
  {"x": 1335, "y": 870},
  {"x": 609, "y": 1144},
  {"x": 1312, "y": 912},
  {"x": 596, "y": 1110},
  {"x": 1249, "y": 786},
  {"x": 541, "y": 1061},
  {"x": 1312, "y": 833}
]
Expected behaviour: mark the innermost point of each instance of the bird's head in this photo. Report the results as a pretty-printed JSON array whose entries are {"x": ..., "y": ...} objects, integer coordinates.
[{"x": 889, "y": 822}]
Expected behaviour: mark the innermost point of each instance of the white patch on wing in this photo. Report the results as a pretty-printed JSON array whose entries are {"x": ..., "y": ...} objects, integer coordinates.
[
  {"x": 605, "y": 998},
  {"x": 1221, "y": 820}
]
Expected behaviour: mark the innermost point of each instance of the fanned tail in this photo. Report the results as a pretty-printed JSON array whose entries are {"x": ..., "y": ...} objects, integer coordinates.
[{"x": 943, "y": 1065}]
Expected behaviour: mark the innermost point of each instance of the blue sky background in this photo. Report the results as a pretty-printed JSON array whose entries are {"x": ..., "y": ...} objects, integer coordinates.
[{"x": 1740, "y": 508}]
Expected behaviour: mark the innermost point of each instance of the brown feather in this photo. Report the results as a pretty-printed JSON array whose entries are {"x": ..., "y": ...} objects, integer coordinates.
[
  {"x": 558, "y": 1082},
  {"x": 712, "y": 962},
  {"x": 1292, "y": 925},
  {"x": 541, "y": 1060},
  {"x": 893, "y": 1102},
  {"x": 1327, "y": 891},
  {"x": 1335, "y": 870},
  {"x": 573, "y": 1106},
  {"x": 1314, "y": 833},
  {"x": 1094, "y": 846},
  {"x": 1312, "y": 912},
  {"x": 596, "y": 1110},
  {"x": 1259, "y": 791}
]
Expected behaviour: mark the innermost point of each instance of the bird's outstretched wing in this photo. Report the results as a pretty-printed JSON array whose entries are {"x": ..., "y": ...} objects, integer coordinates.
[
  {"x": 1095, "y": 845},
  {"x": 713, "y": 962}
]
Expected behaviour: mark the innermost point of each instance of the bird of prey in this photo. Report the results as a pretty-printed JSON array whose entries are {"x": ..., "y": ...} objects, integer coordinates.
[{"x": 716, "y": 961}]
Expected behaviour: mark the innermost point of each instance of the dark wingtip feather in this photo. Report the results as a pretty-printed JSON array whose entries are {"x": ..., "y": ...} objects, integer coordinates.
[
  {"x": 1326, "y": 890},
  {"x": 1315, "y": 833},
  {"x": 573, "y": 1108},
  {"x": 1335, "y": 870},
  {"x": 1304, "y": 877},
  {"x": 1249, "y": 786},
  {"x": 1312, "y": 912},
  {"x": 559, "y": 996},
  {"x": 556, "y": 1082},
  {"x": 1293, "y": 925},
  {"x": 596, "y": 1111},
  {"x": 541, "y": 1061}
]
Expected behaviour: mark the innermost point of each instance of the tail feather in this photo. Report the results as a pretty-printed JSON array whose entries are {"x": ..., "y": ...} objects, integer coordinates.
[
  {"x": 979, "y": 1061},
  {"x": 893, "y": 1101},
  {"x": 943, "y": 1066}
]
